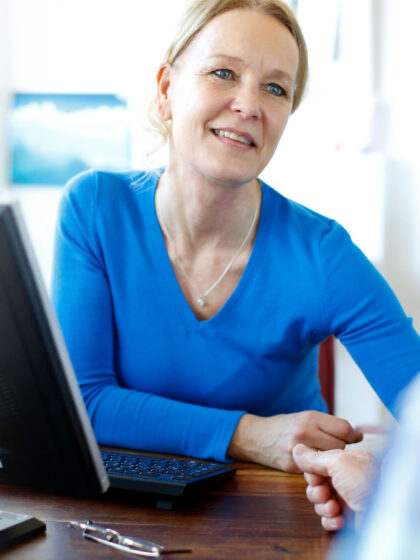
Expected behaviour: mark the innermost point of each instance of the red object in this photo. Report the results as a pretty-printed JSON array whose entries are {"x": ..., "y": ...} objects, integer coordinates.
[{"x": 326, "y": 372}]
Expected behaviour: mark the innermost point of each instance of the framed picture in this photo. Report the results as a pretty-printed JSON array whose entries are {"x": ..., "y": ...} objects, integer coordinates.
[{"x": 52, "y": 137}]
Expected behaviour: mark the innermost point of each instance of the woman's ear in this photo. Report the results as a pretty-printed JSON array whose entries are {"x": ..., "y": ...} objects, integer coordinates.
[{"x": 163, "y": 79}]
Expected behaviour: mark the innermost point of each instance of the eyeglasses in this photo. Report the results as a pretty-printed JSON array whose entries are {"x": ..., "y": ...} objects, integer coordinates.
[{"x": 110, "y": 537}]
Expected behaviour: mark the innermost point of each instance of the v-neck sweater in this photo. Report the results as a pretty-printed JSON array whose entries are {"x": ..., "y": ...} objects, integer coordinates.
[{"x": 156, "y": 378}]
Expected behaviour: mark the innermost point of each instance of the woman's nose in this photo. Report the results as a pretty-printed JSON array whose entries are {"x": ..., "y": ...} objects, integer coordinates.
[{"x": 247, "y": 101}]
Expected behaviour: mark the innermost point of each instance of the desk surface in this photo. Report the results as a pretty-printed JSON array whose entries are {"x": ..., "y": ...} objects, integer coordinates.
[{"x": 260, "y": 513}]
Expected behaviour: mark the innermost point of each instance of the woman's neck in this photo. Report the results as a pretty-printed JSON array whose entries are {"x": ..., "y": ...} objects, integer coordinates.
[{"x": 201, "y": 213}]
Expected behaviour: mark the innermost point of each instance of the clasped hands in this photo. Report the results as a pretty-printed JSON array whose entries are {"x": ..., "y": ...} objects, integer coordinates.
[{"x": 290, "y": 442}]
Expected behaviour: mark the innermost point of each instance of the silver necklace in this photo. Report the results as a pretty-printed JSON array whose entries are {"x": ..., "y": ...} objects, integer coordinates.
[{"x": 201, "y": 295}]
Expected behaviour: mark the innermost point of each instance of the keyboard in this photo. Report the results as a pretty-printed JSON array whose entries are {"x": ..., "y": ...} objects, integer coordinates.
[{"x": 169, "y": 478}]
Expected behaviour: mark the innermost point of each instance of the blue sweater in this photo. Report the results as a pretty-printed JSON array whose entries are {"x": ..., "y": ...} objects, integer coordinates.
[{"x": 156, "y": 378}]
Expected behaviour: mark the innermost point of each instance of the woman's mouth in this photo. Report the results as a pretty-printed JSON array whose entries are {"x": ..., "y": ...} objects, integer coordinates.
[{"x": 233, "y": 136}]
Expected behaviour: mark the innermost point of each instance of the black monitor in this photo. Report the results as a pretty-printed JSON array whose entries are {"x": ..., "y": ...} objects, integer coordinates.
[{"x": 46, "y": 439}]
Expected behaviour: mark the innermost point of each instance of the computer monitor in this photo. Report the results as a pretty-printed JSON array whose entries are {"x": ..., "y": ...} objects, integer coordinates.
[{"x": 46, "y": 439}]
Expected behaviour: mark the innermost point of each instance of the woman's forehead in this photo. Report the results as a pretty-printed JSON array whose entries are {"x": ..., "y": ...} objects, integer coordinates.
[{"x": 246, "y": 35}]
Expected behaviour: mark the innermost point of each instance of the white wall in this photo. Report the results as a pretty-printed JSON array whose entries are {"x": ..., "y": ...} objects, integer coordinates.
[
  {"x": 398, "y": 107},
  {"x": 395, "y": 135},
  {"x": 102, "y": 46}
]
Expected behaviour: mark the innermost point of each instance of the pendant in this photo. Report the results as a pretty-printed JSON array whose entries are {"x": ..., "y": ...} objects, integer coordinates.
[{"x": 201, "y": 302}]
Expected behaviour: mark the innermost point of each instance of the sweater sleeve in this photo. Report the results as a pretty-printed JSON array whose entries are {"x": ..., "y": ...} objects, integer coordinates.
[
  {"x": 363, "y": 312},
  {"x": 82, "y": 298}
]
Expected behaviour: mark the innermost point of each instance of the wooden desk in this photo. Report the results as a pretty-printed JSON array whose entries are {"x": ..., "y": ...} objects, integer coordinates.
[{"x": 259, "y": 514}]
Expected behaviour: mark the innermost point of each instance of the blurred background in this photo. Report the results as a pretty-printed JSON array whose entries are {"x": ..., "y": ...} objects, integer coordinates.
[{"x": 76, "y": 78}]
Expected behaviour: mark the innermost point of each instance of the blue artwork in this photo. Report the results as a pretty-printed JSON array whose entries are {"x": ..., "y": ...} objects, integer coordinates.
[{"x": 53, "y": 137}]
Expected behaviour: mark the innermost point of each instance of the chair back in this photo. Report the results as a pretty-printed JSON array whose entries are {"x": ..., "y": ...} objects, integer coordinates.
[{"x": 326, "y": 372}]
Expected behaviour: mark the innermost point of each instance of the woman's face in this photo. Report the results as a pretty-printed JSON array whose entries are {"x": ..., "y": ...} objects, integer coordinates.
[{"x": 229, "y": 96}]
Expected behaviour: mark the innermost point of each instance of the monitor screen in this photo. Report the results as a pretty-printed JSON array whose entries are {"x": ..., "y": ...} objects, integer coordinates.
[{"x": 46, "y": 439}]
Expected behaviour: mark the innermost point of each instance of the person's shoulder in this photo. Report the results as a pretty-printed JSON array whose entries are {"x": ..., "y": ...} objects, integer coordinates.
[
  {"x": 299, "y": 217},
  {"x": 97, "y": 183}
]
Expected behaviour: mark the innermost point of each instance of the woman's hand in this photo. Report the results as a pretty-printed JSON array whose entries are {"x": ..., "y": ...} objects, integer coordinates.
[
  {"x": 336, "y": 479},
  {"x": 270, "y": 441}
]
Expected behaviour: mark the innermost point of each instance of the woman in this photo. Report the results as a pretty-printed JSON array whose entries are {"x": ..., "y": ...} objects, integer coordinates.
[{"x": 193, "y": 299}]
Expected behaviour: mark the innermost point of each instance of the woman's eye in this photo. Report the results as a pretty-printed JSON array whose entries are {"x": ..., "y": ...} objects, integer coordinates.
[
  {"x": 275, "y": 89},
  {"x": 224, "y": 74}
]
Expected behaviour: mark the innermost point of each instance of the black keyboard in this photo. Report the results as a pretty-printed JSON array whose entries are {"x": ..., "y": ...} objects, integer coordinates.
[{"x": 164, "y": 476}]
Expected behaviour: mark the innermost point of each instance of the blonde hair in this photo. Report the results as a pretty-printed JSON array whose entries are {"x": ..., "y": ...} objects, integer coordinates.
[{"x": 200, "y": 12}]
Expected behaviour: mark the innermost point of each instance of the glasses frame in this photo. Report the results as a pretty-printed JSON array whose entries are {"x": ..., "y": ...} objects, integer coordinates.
[{"x": 112, "y": 538}]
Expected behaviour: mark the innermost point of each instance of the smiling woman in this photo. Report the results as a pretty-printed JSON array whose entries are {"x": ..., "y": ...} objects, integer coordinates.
[
  {"x": 229, "y": 97},
  {"x": 199, "y": 14},
  {"x": 193, "y": 298}
]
